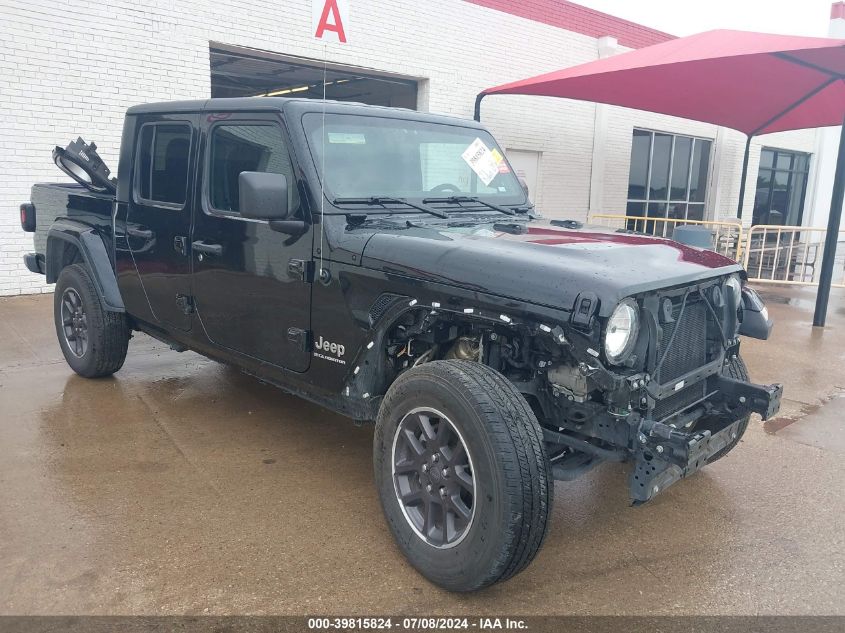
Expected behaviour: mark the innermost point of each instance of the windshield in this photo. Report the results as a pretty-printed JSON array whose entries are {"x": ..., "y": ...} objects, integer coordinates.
[{"x": 366, "y": 156}]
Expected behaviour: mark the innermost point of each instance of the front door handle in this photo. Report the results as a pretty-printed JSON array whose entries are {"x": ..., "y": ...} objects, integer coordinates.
[{"x": 207, "y": 249}]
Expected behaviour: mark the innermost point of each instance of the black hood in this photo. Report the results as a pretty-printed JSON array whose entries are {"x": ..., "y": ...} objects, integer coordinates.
[{"x": 543, "y": 265}]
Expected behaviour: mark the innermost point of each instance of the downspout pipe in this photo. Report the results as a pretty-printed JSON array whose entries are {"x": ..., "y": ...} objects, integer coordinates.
[{"x": 477, "y": 113}]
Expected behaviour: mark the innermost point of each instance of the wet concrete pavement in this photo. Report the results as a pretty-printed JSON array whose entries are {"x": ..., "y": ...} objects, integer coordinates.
[{"x": 181, "y": 486}]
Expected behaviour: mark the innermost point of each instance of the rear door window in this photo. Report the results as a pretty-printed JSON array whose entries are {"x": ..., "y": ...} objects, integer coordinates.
[{"x": 161, "y": 166}]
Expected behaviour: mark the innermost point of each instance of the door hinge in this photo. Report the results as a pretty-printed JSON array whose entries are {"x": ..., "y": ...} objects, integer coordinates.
[
  {"x": 301, "y": 269},
  {"x": 301, "y": 338},
  {"x": 185, "y": 303}
]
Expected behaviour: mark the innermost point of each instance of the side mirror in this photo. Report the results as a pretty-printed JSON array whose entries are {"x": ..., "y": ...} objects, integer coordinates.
[
  {"x": 755, "y": 317},
  {"x": 263, "y": 196}
]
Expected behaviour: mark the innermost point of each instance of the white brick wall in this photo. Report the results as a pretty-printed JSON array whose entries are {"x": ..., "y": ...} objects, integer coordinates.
[{"x": 72, "y": 67}]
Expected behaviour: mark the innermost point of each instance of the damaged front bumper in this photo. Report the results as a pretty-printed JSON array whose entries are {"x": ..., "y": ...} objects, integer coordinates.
[{"x": 665, "y": 453}]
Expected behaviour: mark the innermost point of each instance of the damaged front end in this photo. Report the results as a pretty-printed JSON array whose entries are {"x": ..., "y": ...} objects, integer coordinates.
[
  {"x": 674, "y": 397},
  {"x": 655, "y": 380},
  {"x": 668, "y": 451}
]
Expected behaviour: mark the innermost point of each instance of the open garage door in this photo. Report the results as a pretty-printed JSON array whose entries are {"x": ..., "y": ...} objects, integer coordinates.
[{"x": 245, "y": 72}]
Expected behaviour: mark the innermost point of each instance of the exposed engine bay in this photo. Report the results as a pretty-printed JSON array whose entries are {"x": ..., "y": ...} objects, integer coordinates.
[{"x": 660, "y": 401}]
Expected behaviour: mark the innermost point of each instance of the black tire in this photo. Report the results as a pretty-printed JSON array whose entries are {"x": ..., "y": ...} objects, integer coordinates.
[
  {"x": 106, "y": 333},
  {"x": 737, "y": 370},
  {"x": 512, "y": 476}
]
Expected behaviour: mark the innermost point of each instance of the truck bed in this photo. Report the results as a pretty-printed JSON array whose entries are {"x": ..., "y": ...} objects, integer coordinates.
[{"x": 65, "y": 200}]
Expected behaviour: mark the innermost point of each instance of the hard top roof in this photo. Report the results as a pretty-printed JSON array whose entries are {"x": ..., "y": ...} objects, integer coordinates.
[{"x": 293, "y": 106}]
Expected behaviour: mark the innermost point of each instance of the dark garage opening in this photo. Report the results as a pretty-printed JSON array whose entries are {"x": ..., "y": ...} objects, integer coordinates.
[{"x": 240, "y": 72}]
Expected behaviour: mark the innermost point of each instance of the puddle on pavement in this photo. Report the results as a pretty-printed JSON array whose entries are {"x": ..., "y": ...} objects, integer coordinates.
[
  {"x": 774, "y": 425},
  {"x": 777, "y": 424},
  {"x": 802, "y": 302}
]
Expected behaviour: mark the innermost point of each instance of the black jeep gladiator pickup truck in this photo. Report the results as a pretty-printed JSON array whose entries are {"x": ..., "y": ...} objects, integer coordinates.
[{"x": 388, "y": 265}]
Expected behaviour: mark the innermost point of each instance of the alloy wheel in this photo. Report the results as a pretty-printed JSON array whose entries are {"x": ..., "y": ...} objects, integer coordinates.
[
  {"x": 433, "y": 477},
  {"x": 74, "y": 323}
]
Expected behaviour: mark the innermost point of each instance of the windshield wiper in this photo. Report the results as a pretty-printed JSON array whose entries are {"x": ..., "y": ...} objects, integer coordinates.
[
  {"x": 460, "y": 199},
  {"x": 384, "y": 200}
]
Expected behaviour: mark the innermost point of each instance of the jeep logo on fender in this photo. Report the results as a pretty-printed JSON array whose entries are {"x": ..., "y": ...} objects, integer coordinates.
[{"x": 332, "y": 348}]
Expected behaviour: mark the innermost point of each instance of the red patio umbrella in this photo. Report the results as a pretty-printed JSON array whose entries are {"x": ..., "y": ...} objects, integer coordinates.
[{"x": 756, "y": 83}]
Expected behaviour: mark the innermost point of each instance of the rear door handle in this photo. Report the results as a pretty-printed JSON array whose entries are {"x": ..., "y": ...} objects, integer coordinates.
[
  {"x": 145, "y": 234},
  {"x": 208, "y": 249}
]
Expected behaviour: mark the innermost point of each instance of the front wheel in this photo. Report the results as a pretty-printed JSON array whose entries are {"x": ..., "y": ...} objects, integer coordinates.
[{"x": 462, "y": 474}]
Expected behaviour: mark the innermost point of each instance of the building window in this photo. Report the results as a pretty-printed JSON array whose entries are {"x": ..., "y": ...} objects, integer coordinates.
[
  {"x": 781, "y": 185},
  {"x": 668, "y": 176}
]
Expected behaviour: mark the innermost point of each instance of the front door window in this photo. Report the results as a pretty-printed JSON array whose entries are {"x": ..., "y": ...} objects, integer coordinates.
[{"x": 246, "y": 147}]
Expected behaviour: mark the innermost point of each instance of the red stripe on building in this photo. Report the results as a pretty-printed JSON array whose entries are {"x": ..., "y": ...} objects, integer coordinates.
[{"x": 573, "y": 17}]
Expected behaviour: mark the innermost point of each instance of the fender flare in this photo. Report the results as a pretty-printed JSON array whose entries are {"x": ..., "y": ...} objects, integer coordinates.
[{"x": 90, "y": 245}]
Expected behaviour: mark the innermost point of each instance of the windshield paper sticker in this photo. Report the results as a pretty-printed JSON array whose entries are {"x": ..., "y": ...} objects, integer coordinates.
[
  {"x": 500, "y": 161},
  {"x": 481, "y": 160}
]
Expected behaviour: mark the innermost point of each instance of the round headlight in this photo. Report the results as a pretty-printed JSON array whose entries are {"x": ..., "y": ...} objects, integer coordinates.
[
  {"x": 621, "y": 333},
  {"x": 735, "y": 286}
]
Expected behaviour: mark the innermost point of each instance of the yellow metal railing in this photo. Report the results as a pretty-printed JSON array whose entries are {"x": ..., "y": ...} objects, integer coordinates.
[
  {"x": 778, "y": 254},
  {"x": 727, "y": 235}
]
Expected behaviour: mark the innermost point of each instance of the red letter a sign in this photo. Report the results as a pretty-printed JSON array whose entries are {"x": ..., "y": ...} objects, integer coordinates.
[{"x": 329, "y": 19}]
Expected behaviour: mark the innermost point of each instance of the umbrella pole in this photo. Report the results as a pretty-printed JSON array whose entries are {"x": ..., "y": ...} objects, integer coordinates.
[
  {"x": 826, "y": 277},
  {"x": 744, "y": 176}
]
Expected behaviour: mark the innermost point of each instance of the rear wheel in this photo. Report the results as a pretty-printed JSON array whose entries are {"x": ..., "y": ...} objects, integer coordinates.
[
  {"x": 93, "y": 340},
  {"x": 462, "y": 474},
  {"x": 737, "y": 370}
]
